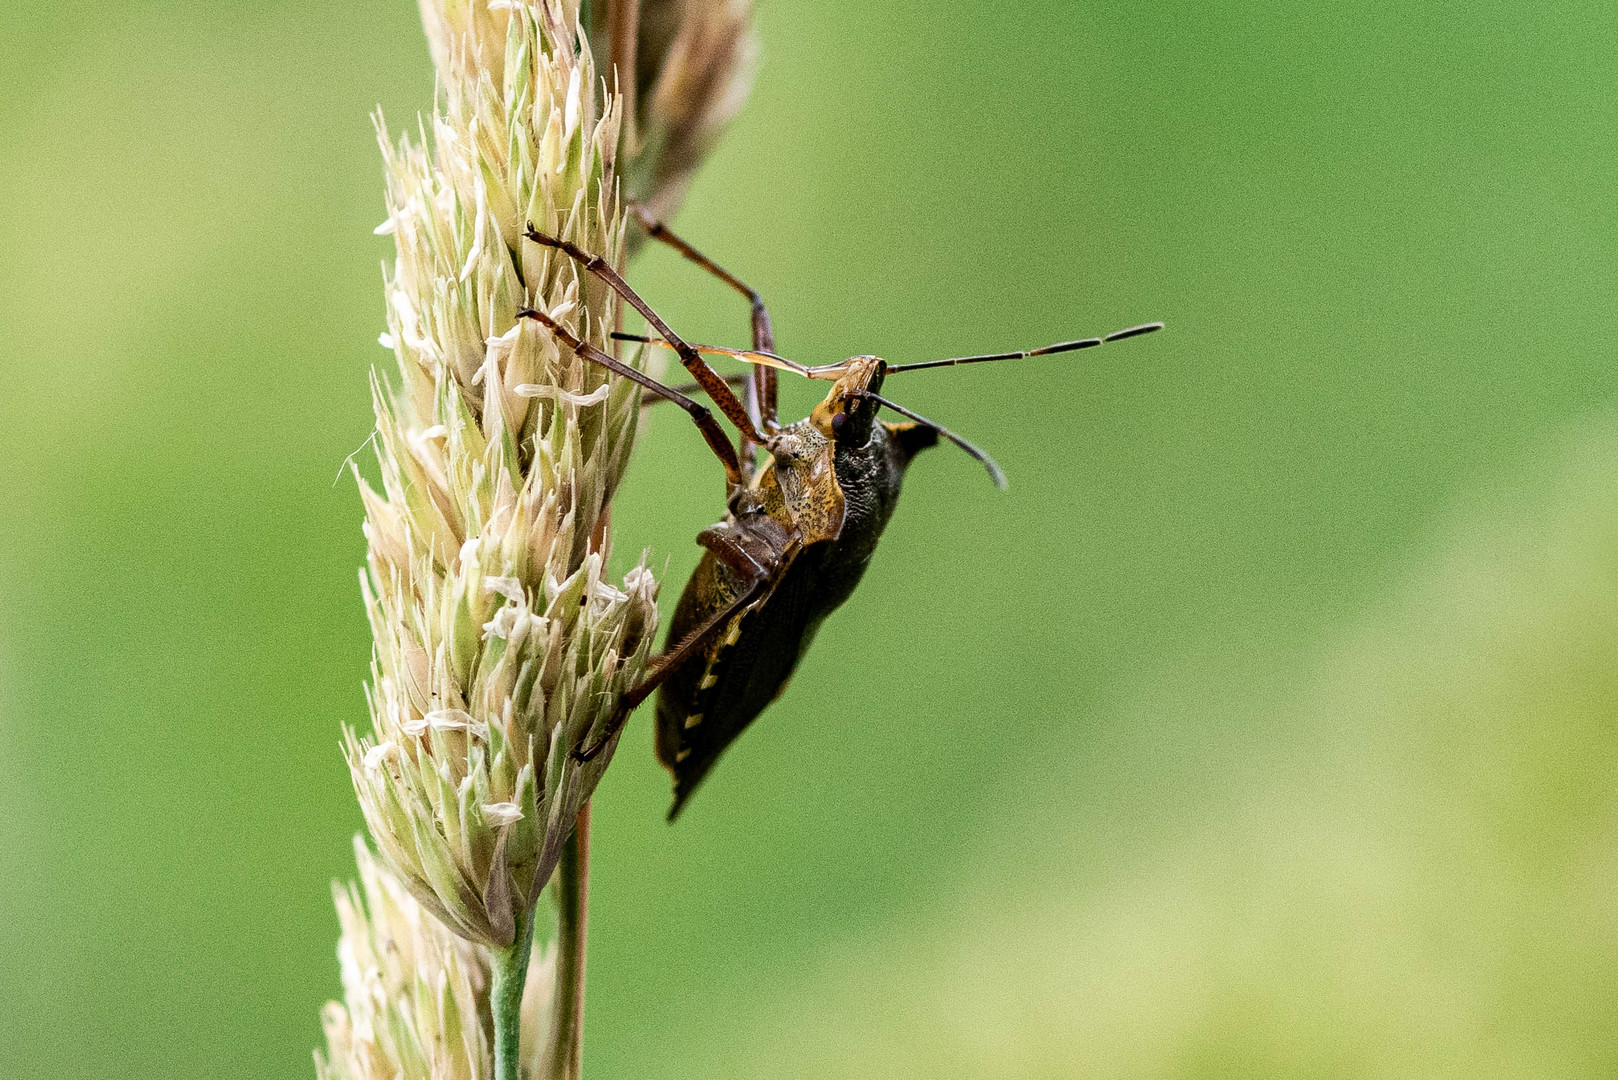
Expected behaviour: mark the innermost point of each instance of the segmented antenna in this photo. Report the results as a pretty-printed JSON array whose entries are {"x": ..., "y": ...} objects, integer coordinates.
[
  {"x": 995, "y": 472},
  {"x": 764, "y": 359},
  {"x": 1059, "y": 347}
]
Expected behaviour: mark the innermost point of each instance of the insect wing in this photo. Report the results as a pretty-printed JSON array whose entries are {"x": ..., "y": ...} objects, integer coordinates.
[{"x": 707, "y": 703}]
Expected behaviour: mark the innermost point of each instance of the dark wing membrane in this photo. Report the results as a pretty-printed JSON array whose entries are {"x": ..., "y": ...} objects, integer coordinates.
[{"x": 705, "y": 705}]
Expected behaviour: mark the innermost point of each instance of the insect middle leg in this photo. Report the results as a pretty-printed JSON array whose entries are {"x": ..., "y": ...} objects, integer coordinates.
[{"x": 715, "y": 435}]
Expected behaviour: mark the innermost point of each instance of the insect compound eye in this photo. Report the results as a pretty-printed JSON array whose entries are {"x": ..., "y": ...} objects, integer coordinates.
[{"x": 838, "y": 423}]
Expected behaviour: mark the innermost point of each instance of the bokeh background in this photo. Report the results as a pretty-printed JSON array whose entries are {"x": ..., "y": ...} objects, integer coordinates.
[{"x": 1266, "y": 727}]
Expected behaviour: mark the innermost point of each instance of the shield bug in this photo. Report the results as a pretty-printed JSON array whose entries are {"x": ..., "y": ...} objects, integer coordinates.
[{"x": 799, "y": 528}]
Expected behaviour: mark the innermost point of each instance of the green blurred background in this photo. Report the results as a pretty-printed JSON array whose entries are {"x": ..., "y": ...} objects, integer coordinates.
[{"x": 1265, "y": 727}]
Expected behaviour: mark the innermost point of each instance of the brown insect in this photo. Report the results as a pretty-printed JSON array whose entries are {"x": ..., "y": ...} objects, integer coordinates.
[{"x": 799, "y": 528}]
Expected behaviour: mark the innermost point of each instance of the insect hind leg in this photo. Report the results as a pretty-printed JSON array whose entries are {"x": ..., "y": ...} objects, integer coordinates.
[{"x": 758, "y": 579}]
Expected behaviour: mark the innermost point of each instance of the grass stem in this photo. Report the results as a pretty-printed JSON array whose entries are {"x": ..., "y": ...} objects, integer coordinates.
[
  {"x": 509, "y": 976},
  {"x": 564, "y": 1052}
]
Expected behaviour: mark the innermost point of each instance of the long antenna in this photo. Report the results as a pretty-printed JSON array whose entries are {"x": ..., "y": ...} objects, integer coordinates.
[
  {"x": 995, "y": 472},
  {"x": 763, "y": 359},
  {"x": 1059, "y": 347}
]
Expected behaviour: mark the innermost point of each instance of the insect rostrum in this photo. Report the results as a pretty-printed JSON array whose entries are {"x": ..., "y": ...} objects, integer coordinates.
[{"x": 799, "y": 529}]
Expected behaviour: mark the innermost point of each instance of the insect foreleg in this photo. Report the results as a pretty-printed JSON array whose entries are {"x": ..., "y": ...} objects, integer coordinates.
[
  {"x": 695, "y": 364},
  {"x": 690, "y": 388},
  {"x": 763, "y": 331}
]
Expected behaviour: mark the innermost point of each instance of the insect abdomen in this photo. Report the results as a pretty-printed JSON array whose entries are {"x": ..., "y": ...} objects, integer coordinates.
[{"x": 710, "y": 700}]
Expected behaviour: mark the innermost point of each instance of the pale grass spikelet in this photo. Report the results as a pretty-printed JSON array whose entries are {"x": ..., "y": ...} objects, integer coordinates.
[
  {"x": 415, "y": 996},
  {"x": 501, "y": 647}
]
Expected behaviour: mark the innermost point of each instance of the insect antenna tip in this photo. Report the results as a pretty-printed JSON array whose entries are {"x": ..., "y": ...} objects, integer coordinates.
[
  {"x": 1133, "y": 331},
  {"x": 996, "y": 473}
]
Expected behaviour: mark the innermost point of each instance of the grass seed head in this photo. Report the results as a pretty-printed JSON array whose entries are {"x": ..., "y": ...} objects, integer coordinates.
[
  {"x": 501, "y": 645},
  {"x": 415, "y": 995}
]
